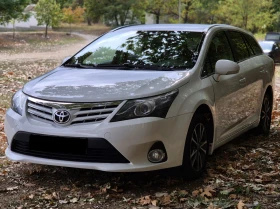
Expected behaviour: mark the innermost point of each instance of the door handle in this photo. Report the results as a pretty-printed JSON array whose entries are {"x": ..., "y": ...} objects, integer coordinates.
[
  {"x": 242, "y": 80},
  {"x": 262, "y": 70}
]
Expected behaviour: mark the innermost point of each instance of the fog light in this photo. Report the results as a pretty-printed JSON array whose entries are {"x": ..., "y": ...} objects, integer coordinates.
[{"x": 156, "y": 155}]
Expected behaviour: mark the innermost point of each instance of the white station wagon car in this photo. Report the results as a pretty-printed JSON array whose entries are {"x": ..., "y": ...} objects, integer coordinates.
[{"x": 144, "y": 97}]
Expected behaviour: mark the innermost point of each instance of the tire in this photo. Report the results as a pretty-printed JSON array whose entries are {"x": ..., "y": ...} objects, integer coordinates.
[
  {"x": 265, "y": 117},
  {"x": 196, "y": 147}
]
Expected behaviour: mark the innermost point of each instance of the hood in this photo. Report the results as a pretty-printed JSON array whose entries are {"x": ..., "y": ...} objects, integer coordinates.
[
  {"x": 99, "y": 85},
  {"x": 266, "y": 51}
]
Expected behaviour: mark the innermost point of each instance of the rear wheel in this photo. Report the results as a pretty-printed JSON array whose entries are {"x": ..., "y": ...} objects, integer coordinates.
[
  {"x": 196, "y": 147},
  {"x": 265, "y": 118}
]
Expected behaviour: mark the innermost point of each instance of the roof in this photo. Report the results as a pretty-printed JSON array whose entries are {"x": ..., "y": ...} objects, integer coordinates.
[
  {"x": 269, "y": 42},
  {"x": 173, "y": 27}
]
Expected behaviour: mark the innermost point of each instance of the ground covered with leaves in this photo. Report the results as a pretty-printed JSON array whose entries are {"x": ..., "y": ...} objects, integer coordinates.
[
  {"x": 34, "y": 42},
  {"x": 242, "y": 174}
]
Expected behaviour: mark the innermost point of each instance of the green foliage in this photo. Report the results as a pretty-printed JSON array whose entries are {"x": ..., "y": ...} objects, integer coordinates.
[
  {"x": 48, "y": 13},
  {"x": 94, "y": 9},
  {"x": 64, "y": 3},
  {"x": 12, "y": 10},
  {"x": 118, "y": 12},
  {"x": 253, "y": 15}
]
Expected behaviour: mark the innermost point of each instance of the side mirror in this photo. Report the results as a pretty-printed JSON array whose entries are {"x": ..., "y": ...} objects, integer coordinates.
[
  {"x": 65, "y": 59},
  {"x": 226, "y": 67}
]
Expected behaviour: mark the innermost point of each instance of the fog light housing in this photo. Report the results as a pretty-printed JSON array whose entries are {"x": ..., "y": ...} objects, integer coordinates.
[{"x": 157, "y": 153}]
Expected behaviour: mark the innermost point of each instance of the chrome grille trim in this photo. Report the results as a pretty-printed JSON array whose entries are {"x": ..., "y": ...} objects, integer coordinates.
[
  {"x": 38, "y": 107},
  {"x": 39, "y": 114},
  {"x": 80, "y": 112}
]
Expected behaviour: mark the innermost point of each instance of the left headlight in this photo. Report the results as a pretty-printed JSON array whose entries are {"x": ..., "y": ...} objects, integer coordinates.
[
  {"x": 18, "y": 102},
  {"x": 149, "y": 107}
]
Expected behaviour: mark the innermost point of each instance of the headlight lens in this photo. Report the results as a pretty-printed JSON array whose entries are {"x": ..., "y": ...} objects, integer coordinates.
[
  {"x": 149, "y": 107},
  {"x": 18, "y": 102}
]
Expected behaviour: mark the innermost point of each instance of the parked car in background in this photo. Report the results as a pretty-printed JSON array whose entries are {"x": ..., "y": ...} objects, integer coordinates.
[
  {"x": 272, "y": 49},
  {"x": 144, "y": 97},
  {"x": 272, "y": 36}
]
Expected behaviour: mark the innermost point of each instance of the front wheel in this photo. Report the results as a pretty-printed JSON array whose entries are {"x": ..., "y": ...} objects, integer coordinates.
[
  {"x": 196, "y": 147},
  {"x": 265, "y": 117}
]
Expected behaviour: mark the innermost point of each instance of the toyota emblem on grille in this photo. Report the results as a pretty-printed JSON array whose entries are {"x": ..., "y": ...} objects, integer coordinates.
[{"x": 61, "y": 116}]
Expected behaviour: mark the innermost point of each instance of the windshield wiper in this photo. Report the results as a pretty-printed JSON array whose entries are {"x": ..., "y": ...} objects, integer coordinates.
[
  {"x": 127, "y": 66},
  {"x": 77, "y": 65}
]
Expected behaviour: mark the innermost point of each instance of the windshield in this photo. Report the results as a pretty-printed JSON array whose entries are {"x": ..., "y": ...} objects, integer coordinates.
[
  {"x": 266, "y": 45},
  {"x": 153, "y": 50}
]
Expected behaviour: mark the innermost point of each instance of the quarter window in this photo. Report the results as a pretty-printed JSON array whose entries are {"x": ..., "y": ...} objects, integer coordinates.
[
  {"x": 219, "y": 49},
  {"x": 241, "y": 50},
  {"x": 254, "y": 45}
]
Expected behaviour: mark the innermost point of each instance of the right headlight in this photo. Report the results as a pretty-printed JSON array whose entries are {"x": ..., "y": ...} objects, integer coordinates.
[
  {"x": 18, "y": 102},
  {"x": 148, "y": 107}
]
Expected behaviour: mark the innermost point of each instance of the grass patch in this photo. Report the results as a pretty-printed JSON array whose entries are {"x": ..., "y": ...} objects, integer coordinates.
[
  {"x": 259, "y": 36},
  {"x": 35, "y": 42},
  {"x": 95, "y": 29}
]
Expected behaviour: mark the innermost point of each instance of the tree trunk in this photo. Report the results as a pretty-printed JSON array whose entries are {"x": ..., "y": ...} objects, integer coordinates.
[
  {"x": 187, "y": 8},
  {"x": 14, "y": 29},
  {"x": 88, "y": 21},
  {"x": 157, "y": 18},
  {"x": 125, "y": 16},
  {"x": 46, "y": 31},
  {"x": 116, "y": 19}
]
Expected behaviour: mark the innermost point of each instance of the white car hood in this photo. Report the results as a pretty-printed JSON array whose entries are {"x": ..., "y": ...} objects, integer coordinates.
[{"x": 98, "y": 85}]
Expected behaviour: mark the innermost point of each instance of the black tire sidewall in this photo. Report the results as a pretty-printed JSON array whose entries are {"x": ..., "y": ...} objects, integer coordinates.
[
  {"x": 187, "y": 168},
  {"x": 260, "y": 128}
]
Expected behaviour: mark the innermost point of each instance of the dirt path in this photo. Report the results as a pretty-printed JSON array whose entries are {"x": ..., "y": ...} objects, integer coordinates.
[{"x": 60, "y": 54}]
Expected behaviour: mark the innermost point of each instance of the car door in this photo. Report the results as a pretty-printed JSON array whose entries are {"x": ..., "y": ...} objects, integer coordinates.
[
  {"x": 254, "y": 74},
  {"x": 228, "y": 89},
  {"x": 277, "y": 52},
  {"x": 249, "y": 82}
]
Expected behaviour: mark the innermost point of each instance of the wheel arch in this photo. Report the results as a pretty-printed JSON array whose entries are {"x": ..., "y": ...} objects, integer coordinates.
[{"x": 269, "y": 90}]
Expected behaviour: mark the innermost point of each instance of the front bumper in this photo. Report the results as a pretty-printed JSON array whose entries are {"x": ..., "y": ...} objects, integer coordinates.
[{"x": 132, "y": 138}]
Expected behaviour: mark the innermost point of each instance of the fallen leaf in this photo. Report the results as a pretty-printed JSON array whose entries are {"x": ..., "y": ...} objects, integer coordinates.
[
  {"x": 154, "y": 202},
  {"x": 240, "y": 205},
  {"x": 63, "y": 201},
  {"x": 12, "y": 188},
  {"x": 183, "y": 199},
  {"x": 126, "y": 200},
  {"x": 144, "y": 200},
  {"x": 31, "y": 196},
  {"x": 195, "y": 193},
  {"x": 165, "y": 200},
  {"x": 74, "y": 200},
  {"x": 183, "y": 193},
  {"x": 207, "y": 191},
  {"x": 161, "y": 194}
]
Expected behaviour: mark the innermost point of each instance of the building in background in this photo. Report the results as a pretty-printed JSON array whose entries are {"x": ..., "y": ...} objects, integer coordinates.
[{"x": 30, "y": 24}]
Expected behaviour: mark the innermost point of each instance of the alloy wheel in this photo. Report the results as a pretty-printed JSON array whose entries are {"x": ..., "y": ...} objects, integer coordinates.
[
  {"x": 198, "y": 147},
  {"x": 266, "y": 114}
]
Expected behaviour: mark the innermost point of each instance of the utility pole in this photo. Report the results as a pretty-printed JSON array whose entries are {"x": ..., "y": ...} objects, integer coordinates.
[{"x": 179, "y": 10}]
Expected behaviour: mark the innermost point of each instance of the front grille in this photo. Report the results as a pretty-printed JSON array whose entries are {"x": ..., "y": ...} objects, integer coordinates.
[
  {"x": 96, "y": 150},
  {"x": 80, "y": 112}
]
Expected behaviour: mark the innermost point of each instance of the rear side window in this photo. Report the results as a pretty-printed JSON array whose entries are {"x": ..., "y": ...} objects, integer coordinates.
[
  {"x": 239, "y": 46},
  {"x": 272, "y": 36},
  {"x": 255, "y": 46}
]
